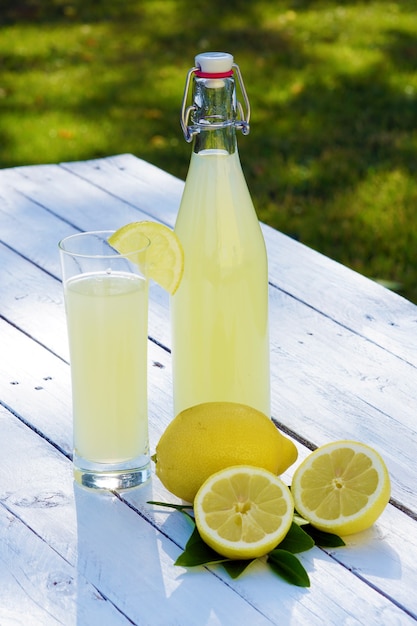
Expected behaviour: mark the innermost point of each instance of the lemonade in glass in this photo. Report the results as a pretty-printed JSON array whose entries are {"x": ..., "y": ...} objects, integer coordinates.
[{"x": 106, "y": 299}]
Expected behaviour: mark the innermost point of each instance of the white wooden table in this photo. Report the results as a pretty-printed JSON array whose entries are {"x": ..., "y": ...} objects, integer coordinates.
[{"x": 344, "y": 365}]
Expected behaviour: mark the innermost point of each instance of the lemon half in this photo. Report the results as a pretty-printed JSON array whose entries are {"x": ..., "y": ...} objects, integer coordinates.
[
  {"x": 342, "y": 487},
  {"x": 243, "y": 512},
  {"x": 164, "y": 257}
]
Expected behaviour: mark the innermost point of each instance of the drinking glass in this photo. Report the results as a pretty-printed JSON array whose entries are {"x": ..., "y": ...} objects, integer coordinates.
[{"x": 106, "y": 302}]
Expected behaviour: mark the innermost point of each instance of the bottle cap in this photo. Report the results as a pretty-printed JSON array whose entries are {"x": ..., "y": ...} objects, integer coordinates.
[
  {"x": 214, "y": 63},
  {"x": 214, "y": 68}
]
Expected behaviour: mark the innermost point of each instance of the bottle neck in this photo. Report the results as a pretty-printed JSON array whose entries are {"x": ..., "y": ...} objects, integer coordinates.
[
  {"x": 214, "y": 114},
  {"x": 223, "y": 140}
]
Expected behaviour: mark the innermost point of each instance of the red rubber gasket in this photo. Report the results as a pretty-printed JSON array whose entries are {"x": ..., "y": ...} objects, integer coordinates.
[{"x": 201, "y": 74}]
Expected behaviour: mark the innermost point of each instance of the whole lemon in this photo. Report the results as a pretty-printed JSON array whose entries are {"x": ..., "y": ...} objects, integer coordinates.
[{"x": 209, "y": 437}]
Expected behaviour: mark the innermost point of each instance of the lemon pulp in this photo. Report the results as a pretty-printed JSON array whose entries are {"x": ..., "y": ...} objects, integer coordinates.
[
  {"x": 341, "y": 487},
  {"x": 243, "y": 512}
]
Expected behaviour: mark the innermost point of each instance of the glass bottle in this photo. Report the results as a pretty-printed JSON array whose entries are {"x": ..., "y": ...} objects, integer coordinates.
[{"x": 219, "y": 314}]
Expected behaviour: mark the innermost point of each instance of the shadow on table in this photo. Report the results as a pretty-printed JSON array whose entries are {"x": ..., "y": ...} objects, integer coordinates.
[
  {"x": 118, "y": 554},
  {"x": 192, "y": 595},
  {"x": 130, "y": 564}
]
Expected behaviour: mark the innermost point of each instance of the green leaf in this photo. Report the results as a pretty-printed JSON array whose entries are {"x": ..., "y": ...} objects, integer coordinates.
[
  {"x": 197, "y": 552},
  {"x": 296, "y": 540},
  {"x": 288, "y": 567},
  {"x": 236, "y": 567},
  {"x": 323, "y": 539}
]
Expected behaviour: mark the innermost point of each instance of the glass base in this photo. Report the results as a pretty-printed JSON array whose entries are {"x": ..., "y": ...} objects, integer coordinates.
[{"x": 112, "y": 476}]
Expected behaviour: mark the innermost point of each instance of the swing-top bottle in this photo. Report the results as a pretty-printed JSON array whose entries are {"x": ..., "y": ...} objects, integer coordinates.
[{"x": 220, "y": 311}]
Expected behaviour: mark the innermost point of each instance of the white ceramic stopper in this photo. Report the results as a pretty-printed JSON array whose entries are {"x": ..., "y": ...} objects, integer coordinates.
[{"x": 214, "y": 62}]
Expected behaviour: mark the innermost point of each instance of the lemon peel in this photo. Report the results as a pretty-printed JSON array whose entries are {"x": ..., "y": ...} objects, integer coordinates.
[
  {"x": 163, "y": 261},
  {"x": 211, "y": 436}
]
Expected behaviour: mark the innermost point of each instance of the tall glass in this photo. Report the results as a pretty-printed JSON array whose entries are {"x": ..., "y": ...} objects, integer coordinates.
[{"x": 106, "y": 301}]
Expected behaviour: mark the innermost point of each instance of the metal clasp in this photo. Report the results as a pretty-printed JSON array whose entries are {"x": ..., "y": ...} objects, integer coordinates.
[
  {"x": 186, "y": 111},
  {"x": 242, "y": 121}
]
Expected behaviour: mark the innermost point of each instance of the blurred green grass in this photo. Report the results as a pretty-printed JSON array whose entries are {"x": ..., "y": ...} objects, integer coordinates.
[{"x": 332, "y": 155}]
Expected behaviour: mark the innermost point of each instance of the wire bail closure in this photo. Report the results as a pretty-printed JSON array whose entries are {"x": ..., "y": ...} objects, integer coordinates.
[{"x": 242, "y": 121}]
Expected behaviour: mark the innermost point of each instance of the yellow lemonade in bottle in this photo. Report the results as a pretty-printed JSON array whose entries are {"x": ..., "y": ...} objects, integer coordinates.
[
  {"x": 220, "y": 311},
  {"x": 220, "y": 339},
  {"x": 107, "y": 324}
]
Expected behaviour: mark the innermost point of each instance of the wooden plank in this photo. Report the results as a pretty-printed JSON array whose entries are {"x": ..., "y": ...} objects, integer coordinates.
[
  {"x": 22, "y": 222},
  {"x": 352, "y": 300},
  {"x": 73, "y": 199},
  {"x": 140, "y": 186},
  {"x": 40, "y": 587},
  {"x": 29, "y": 297}
]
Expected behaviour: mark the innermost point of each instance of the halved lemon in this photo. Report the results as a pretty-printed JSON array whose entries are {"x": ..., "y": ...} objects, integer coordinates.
[
  {"x": 243, "y": 512},
  {"x": 164, "y": 257},
  {"x": 342, "y": 487}
]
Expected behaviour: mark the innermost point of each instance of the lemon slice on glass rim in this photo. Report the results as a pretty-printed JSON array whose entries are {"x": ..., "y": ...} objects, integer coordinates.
[
  {"x": 243, "y": 512},
  {"x": 342, "y": 487},
  {"x": 164, "y": 257}
]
